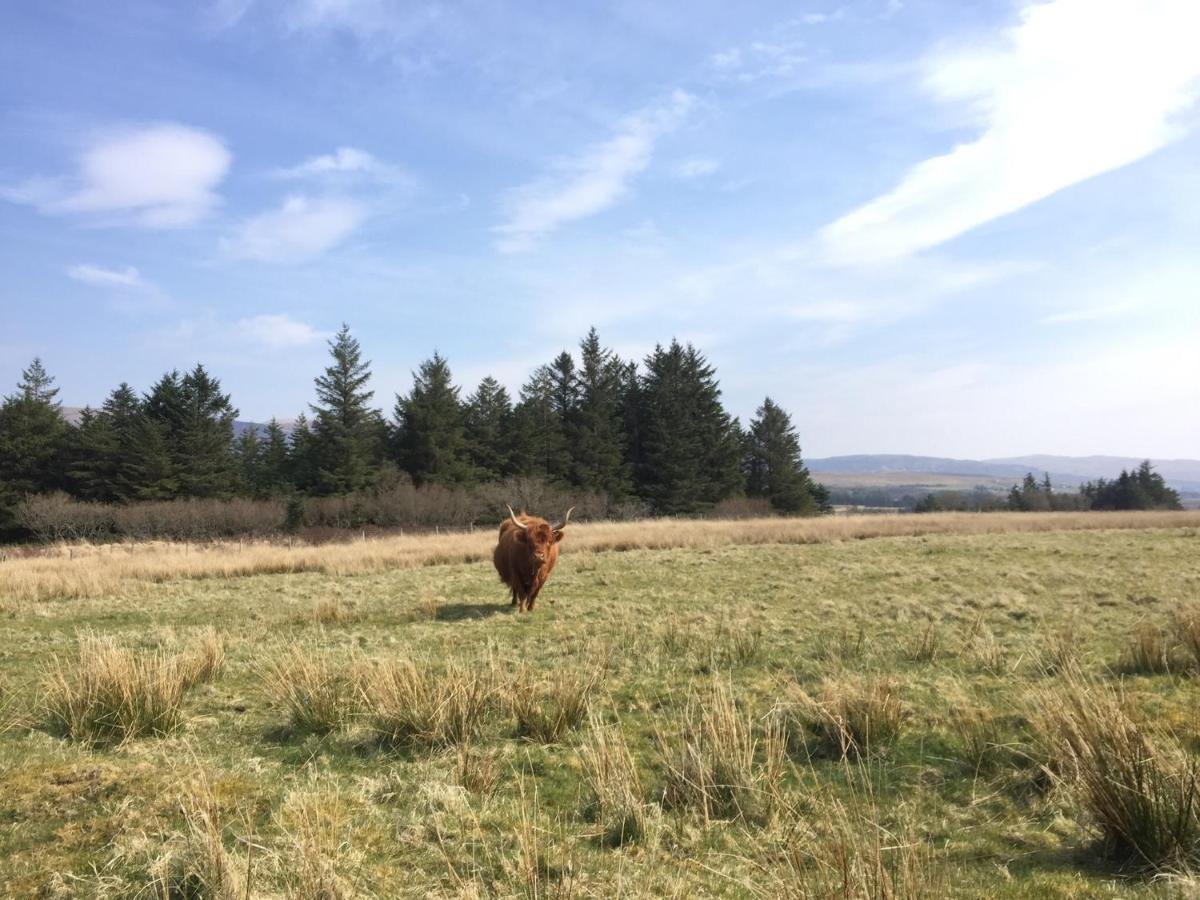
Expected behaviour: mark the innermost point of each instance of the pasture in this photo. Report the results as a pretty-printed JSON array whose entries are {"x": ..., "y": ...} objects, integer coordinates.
[{"x": 996, "y": 705}]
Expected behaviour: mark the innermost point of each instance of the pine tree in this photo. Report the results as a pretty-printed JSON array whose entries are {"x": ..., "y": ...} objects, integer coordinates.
[
  {"x": 203, "y": 445},
  {"x": 302, "y": 463},
  {"x": 276, "y": 476},
  {"x": 488, "y": 428},
  {"x": 691, "y": 457},
  {"x": 34, "y": 440},
  {"x": 344, "y": 428},
  {"x": 91, "y": 457},
  {"x": 151, "y": 469},
  {"x": 248, "y": 452},
  {"x": 539, "y": 440},
  {"x": 430, "y": 441},
  {"x": 595, "y": 428},
  {"x": 774, "y": 468}
]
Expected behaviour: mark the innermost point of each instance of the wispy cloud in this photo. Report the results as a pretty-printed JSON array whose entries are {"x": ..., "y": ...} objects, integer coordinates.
[
  {"x": 1088, "y": 314},
  {"x": 695, "y": 167},
  {"x": 1075, "y": 89},
  {"x": 302, "y": 228},
  {"x": 591, "y": 182},
  {"x": 98, "y": 276},
  {"x": 156, "y": 176},
  {"x": 278, "y": 332},
  {"x": 344, "y": 163}
]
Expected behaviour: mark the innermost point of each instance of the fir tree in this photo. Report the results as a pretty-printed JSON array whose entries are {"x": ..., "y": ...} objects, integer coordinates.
[
  {"x": 430, "y": 441},
  {"x": 302, "y": 464},
  {"x": 203, "y": 444},
  {"x": 248, "y": 452},
  {"x": 595, "y": 427},
  {"x": 539, "y": 440},
  {"x": 91, "y": 457},
  {"x": 33, "y": 440},
  {"x": 344, "y": 428},
  {"x": 774, "y": 468},
  {"x": 691, "y": 457},
  {"x": 488, "y": 428},
  {"x": 276, "y": 476}
]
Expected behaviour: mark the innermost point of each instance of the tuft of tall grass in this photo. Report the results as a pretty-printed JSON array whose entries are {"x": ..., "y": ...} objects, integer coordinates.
[
  {"x": 315, "y": 827},
  {"x": 1142, "y": 790},
  {"x": 617, "y": 805},
  {"x": 1148, "y": 651},
  {"x": 851, "y": 716},
  {"x": 319, "y": 690},
  {"x": 112, "y": 694},
  {"x": 204, "y": 661},
  {"x": 980, "y": 734},
  {"x": 333, "y": 611},
  {"x": 196, "y": 865},
  {"x": 411, "y": 704},
  {"x": 1187, "y": 631},
  {"x": 713, "y": 766},
  {"x": 927, "y": 644},
  {"x": 476, "y": 771},
  {"x": 547, "y": 709}
]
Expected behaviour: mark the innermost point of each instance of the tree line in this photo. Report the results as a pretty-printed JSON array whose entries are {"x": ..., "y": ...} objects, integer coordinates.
[{"x": 656, "y": 433}]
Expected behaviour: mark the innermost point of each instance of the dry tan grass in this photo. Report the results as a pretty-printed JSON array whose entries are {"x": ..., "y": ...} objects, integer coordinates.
[
  {"x": 85, "y": 570},
  {"x": 318, "y": 689},
  {"x": 196, "y": 862},
  {"x": 1187, "y": 631},
  {"x": 1148, "y": 651},
  {"x": 547, "y": 708},
  {"x": 852, "y": 716},
  {"x": 1141, "y": 788},
  {"x": 112, "y": 694},
  {"x": 617, "y": 805},
  {"x": 411, "y": 704}
]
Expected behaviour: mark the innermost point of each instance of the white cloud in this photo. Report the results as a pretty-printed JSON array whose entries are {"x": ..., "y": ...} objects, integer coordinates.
[
  {"x": 1088, "y": 314},
  {"x": 345, "y": 162},
  {"x": 98, "y": 276},
  {"x": 593, "y": 181},
  {"x": 278, "y": 332},
  {"x": 301, "y": 228},
  {"x": 156, "y": 176},
  {"x": 780, "y": 57},
  {"x": 696, "y": 167},
  {"x": 1077, "y": 88}
]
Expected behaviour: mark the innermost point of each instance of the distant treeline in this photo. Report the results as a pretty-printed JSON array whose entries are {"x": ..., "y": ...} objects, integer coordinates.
[
  {"x": 1143, "y": 488},
  {"x": 603, "y": 432}
]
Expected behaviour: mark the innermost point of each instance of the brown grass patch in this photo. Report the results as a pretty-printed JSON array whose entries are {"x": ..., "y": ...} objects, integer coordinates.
[
  {"x": 411, "y": 704},
  {"x": 319, "y": 690},
  {"x": 548, "y": 708},
  {"x": 851, "y": 716}
]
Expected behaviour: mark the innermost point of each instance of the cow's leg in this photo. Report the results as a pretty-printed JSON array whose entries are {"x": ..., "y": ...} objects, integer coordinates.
[
  {"x": 533, "y": 592},
  {"x": 514, "y": 597}
]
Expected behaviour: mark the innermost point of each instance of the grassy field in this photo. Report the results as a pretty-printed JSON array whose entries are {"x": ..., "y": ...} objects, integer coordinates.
[{"x": 943, "y": 706}]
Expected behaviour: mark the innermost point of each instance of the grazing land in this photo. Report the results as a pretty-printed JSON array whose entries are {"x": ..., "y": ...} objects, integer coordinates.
[{"x": 996, "y": 705}]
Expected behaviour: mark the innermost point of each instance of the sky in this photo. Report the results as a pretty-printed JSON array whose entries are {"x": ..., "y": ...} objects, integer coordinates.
[{"x": 921, "y": 226}]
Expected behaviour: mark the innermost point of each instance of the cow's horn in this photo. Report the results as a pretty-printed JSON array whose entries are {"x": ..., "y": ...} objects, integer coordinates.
[
  {"x": 566, "y": 519},
  {"x": 516, "y": 521}
]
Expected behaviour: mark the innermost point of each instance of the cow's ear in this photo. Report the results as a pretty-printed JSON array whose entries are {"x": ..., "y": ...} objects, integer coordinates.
[{"x": 558, "y": 535}]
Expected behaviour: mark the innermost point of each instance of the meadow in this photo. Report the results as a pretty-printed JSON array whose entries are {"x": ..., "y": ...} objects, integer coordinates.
[{"x": 956, "y": 705}]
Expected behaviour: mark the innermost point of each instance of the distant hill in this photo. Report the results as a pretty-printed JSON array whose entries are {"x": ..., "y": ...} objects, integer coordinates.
[{"x": 1182, "y": 474}]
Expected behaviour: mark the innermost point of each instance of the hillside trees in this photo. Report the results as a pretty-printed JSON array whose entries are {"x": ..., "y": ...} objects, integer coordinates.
[{"x": 1142, "y": 488}]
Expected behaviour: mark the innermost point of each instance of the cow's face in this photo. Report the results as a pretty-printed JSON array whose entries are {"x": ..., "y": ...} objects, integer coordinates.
[{"x": 540, "y": 539}]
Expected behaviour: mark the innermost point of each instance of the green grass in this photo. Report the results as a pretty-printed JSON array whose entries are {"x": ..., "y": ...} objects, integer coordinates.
[{"x": 642, "y": 755}]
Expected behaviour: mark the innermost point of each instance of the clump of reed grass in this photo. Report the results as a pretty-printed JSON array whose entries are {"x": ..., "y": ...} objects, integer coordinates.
[
  {"x": 315, "y": 826},
  {"x": 318, "y": 689},
  {"x": 851, "y": 716},
  {"x": 477, "y": 771},
  {"x": 927, "y": 644},
  {"x": 714, "y": 767},
  {"x": 204, "y": 660},
  {"x": 842, "y": 646},
  {"x": 1187, "y": 632},
  {"x": 616, "y": 806},
  {"x": 1058, "y": 652},
  {"x": 411, "y": 704},
  {"x": 1141, "y": 789},
  {"x": 980, "y": 734},
  {"x": 1148, "y": 651},
  {"x": 333, "y": 611},
  {"x": 547, "y": 709},
  {"x": 109, "y": 693},
  {"x": 196, "y": 865},
  {"x": 738, "y": 644}
]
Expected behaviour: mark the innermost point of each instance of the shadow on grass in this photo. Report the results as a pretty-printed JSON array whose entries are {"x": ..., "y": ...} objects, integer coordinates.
[{"x": 457, "y": 612}]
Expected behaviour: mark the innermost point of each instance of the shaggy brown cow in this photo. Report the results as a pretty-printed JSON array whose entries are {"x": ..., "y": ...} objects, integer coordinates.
[{"x": 525, "y": 554}]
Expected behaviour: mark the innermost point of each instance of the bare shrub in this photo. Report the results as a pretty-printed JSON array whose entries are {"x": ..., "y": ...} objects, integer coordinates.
[
  {"x": 58, "y": 517},
  {"x": 410, "y": 704},
  {"x": 712, "y": 766},
  {"x": 1148, "y": 651},
  {"x": 852, "y": 716},
  {"x": 616, "y": 806},
  {"x": 1141, "y": 789},
  {"x": 547, "y": 708},
  {"x": 112, "y": 694},
  {"x": 743, "y": 508},
  {"x": 318, "y": 689}
]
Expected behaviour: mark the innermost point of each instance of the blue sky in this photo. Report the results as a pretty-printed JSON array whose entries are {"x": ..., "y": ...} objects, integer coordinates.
[{"x": 930, "y": 227}]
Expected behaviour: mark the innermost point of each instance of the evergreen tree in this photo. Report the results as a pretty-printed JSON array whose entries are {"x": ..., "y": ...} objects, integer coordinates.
[
  {"x": 1142, "y": 488},
  {"x": 596, "y": 426},
  {"x": 276, "y": 475},
  {"x": 34, "y": 440},
  {"x": 302, "y": 463},
  {"x": 539, "y": 439},
  {"x": 773, "y": 465},
  {"x": 150, "y": 466},
  {"x": 203, "y": 444},
  {"x": 248, "y": 451},
  {"x": 431, "y": 443},
  {"x": 488, "y": 428},
  {"x": 344, "y": 428},
  {"x": 91, "y": 458},
  {"x": 691, "y": 456}
]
